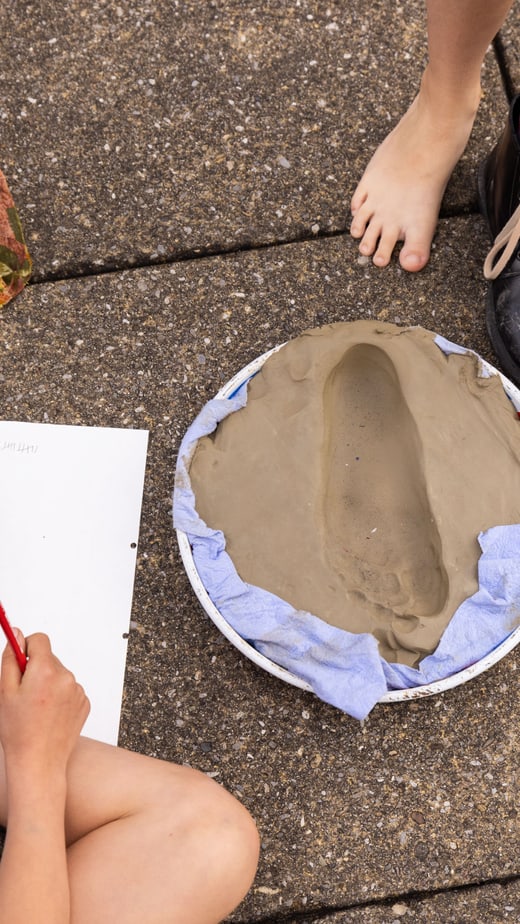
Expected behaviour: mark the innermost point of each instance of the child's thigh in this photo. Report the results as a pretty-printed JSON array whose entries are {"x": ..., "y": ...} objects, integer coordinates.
[{"x": 106, "y": 783}]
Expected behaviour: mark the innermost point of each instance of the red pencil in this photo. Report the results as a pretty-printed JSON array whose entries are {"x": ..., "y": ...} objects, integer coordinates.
[{"x": 11, "y": 638}]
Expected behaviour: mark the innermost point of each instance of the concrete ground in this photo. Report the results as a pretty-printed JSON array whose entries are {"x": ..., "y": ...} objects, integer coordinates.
[{"x": 183, "y": 172}]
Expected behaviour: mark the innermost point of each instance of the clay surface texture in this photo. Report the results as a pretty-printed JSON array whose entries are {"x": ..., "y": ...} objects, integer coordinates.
[{"x": 356, "y": 480}]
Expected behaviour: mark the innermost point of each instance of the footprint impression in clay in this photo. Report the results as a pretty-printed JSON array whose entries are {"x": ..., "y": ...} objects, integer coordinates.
[
  {"x": 380, "y": 534},
  {"x": 357, "y": 478}
]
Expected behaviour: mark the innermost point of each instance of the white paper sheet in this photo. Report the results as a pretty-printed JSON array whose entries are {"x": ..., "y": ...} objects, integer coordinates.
[{"x": 70, "y": 505}]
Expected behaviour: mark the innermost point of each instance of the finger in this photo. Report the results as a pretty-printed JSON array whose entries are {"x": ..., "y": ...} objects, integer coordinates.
[
  {"x": 38, "y": 645},
  {"x": 39, "y": 653},
  {"x": 40, "y": 640}
]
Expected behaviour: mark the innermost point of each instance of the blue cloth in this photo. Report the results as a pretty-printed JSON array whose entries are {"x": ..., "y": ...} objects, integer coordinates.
[{"x": 343, "y": 668}]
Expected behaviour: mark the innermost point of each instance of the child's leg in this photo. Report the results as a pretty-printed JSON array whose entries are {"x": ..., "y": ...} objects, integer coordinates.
[
  {"x": 400, "y": 193},
  {"x": 151, "y": 841}
]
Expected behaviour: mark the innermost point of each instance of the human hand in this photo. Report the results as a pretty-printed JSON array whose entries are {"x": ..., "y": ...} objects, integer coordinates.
[{"x": 42, "y": 711}]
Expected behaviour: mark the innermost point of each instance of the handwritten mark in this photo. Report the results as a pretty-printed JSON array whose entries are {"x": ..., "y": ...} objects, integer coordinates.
[{"x": 29, "y": 449}]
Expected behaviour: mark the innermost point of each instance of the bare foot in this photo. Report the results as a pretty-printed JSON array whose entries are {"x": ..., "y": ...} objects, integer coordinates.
[{"x": 400, "y": 193}]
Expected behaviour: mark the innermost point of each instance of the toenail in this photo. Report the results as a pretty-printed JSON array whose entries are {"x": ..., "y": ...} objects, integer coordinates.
[{"x": 413, "y": 260}]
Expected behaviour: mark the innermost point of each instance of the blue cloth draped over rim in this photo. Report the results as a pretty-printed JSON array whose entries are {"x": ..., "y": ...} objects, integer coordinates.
[{"x": 343, "y": 668}]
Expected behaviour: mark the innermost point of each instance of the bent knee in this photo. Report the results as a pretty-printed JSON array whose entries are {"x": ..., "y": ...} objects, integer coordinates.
[
  {"x": 227, "y": 837},
  {"x": 230, "y": 821},
  {"x": 244, "y": 838}
]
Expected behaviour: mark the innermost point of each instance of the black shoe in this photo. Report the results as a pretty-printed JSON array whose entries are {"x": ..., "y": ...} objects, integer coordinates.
[{"x": 499, "y": 195}]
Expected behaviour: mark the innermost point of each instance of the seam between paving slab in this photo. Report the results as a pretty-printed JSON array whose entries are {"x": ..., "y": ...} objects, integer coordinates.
[
  {"x": 182, "y": 256},
  {"x": 388, "y": 902},
  {"x": 88, "y": 271}
]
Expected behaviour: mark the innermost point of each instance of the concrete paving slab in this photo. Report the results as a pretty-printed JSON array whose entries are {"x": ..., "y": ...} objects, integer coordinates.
[
  {"x": 423, "y": 795},
  {"x": 136, "y": 131},
  {"x": 492, "y": 904}
]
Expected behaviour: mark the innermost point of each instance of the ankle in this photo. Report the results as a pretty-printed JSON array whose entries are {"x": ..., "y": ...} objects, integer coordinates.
[{"x": 449, "y": 100}]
